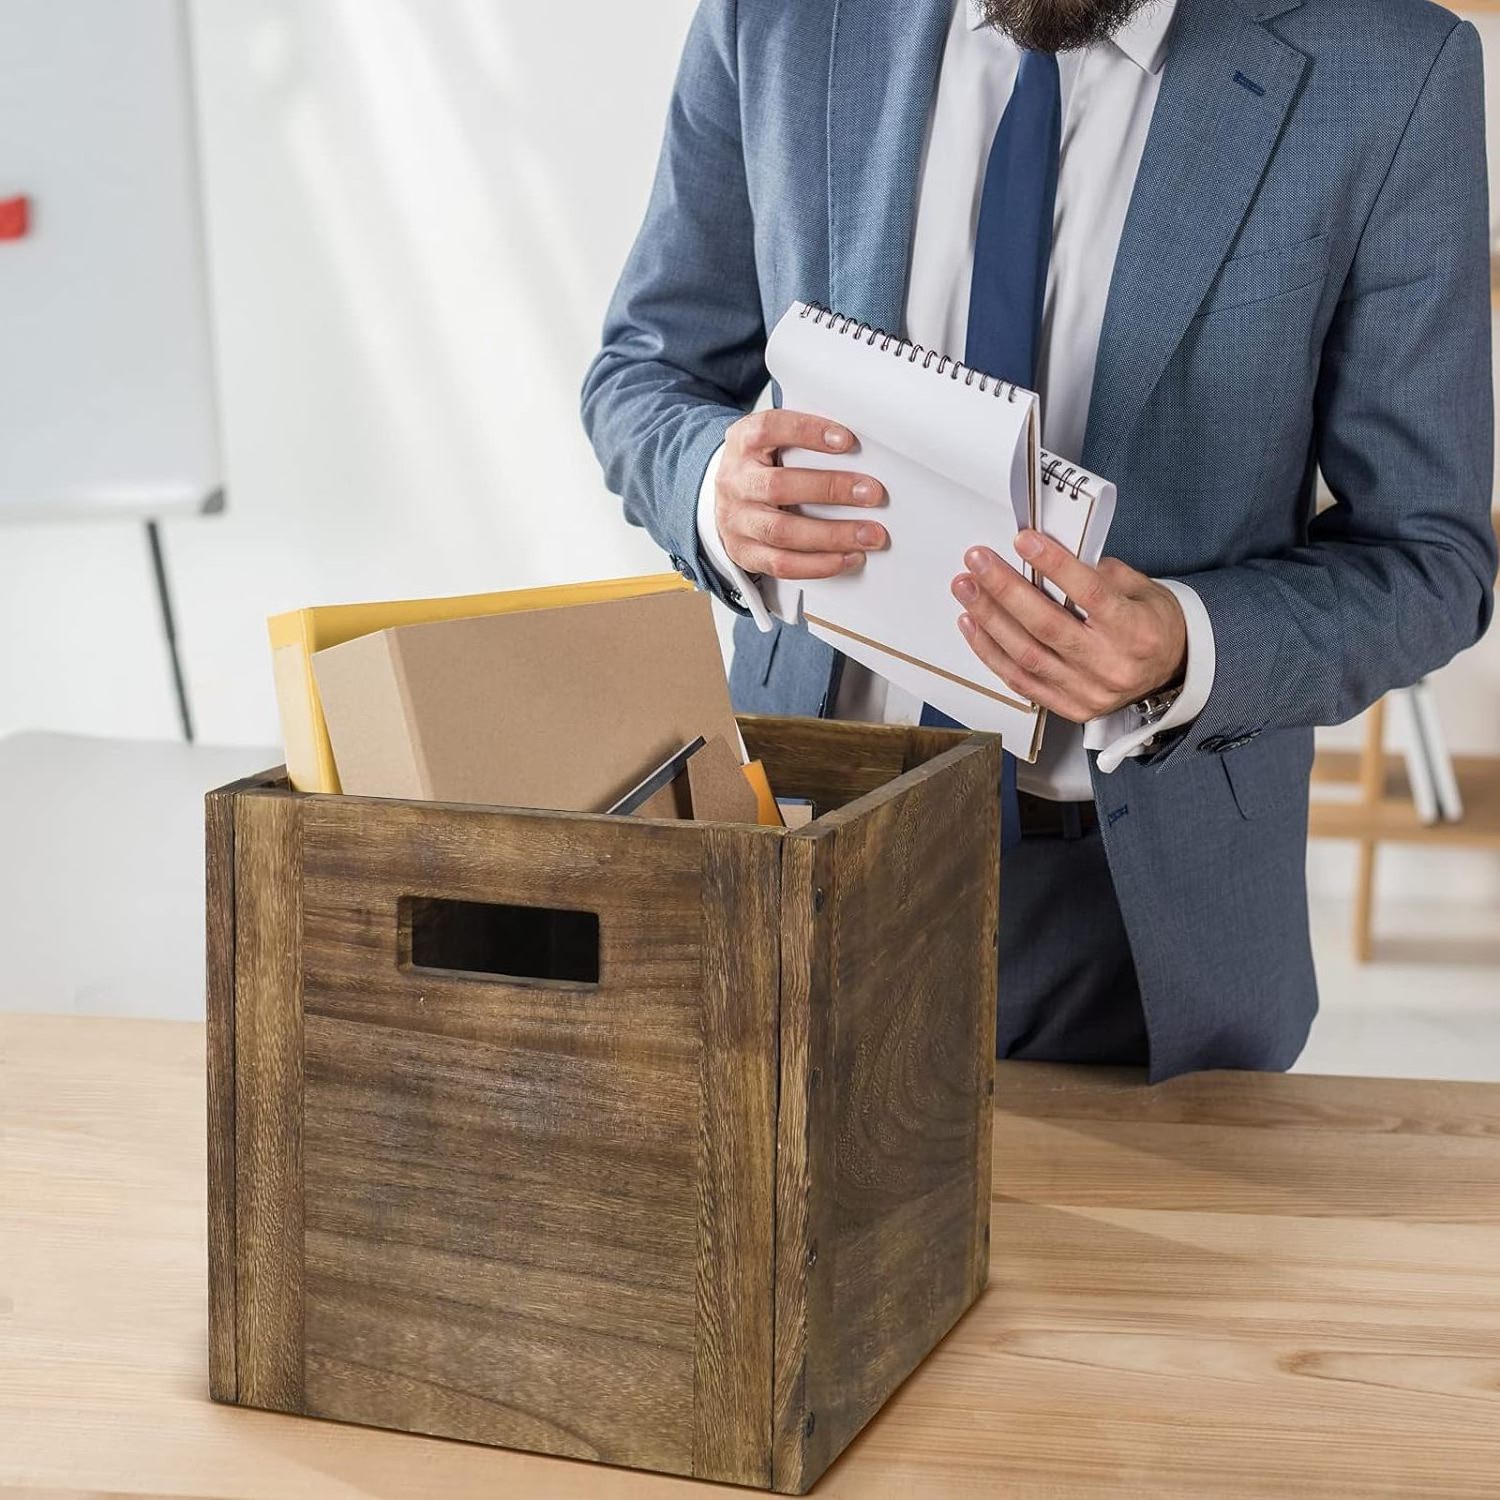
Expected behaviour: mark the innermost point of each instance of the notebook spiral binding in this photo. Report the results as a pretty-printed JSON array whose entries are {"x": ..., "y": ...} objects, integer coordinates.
[
  {"x": 946, "y": 364},
  {"x": 1062, "y": 476}
]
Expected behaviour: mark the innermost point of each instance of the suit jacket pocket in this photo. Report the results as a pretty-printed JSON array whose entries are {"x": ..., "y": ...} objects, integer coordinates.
[
  {"x": 1267, "y": 273},
  {"x": 1270, "y": 774}
]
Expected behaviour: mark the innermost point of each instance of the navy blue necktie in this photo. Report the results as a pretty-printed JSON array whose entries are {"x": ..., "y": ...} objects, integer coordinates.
[{"x": 1012, "y": 251}]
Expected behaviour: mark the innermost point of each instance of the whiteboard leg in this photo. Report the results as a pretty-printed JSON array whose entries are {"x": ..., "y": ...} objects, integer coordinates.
[{"x": 169, "y": 627}]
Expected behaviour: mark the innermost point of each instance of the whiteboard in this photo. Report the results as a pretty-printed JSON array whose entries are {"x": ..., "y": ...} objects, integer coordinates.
[{"x": 106, "y": 364}]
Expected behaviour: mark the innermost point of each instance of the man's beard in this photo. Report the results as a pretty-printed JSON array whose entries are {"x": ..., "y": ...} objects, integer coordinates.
[{"x": 1059, "y": 25}]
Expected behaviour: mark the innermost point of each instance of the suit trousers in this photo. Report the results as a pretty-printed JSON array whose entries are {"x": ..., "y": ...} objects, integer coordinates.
[{"x": 1068, "y": 990}]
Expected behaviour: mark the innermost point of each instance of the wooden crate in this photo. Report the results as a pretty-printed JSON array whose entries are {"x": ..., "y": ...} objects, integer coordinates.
[{"x": 701, "y": 1214}]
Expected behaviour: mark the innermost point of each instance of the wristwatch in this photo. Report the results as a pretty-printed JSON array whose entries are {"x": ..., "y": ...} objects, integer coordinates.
[{"x": 1154, "y": 707}]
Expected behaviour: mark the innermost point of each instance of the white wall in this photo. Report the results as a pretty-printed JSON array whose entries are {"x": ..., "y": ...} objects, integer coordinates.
[{"x": 417, "y": 209}]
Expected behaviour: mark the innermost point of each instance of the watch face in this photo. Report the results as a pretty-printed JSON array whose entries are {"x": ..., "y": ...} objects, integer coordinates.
[{"x": 1158, "y": 705}]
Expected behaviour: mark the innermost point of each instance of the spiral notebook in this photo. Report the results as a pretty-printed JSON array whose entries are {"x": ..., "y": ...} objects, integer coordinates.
[{"x": 959, "y": 454}]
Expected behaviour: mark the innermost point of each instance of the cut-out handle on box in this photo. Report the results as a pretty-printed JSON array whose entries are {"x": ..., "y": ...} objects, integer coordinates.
[{"x": 484, "y": 941}]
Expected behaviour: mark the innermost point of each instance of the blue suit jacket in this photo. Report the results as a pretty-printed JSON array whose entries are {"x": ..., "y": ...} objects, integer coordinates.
[{"x": 1303, "y": 281}]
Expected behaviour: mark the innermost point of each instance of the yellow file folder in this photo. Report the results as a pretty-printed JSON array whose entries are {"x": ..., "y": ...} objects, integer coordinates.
[{"x": 296, "y": 635}]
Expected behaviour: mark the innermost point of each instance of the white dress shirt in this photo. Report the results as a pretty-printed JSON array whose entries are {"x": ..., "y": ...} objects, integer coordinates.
[{"x": 1109, "y": 93}]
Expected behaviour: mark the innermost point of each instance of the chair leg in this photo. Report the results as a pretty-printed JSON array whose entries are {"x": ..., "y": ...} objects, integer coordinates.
[
  {"x": 1364, "y": 902},
  {"x": 1371, "y": 795}
]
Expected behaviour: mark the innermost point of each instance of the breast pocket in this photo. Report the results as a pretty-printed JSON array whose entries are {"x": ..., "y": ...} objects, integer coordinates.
[{"x": 1247, "y": 279}]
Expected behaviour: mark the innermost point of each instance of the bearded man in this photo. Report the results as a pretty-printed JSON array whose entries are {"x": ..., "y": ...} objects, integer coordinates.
[{"x": 1231, "y": 243}]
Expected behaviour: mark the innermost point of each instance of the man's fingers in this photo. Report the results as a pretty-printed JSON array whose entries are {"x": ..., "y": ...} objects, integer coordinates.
[
  {"x": 756, "y": 558},
  {"x": 775, "y": 486},
  {"x": 1087, "y": 587},
  {"x": 1039, "y": 662},
  {"x": 1021, "y": 682},
  {"x": 786, "y": 532},
  {"x": 1046, "y": 621},
  {"x": 766, "y": 432}
]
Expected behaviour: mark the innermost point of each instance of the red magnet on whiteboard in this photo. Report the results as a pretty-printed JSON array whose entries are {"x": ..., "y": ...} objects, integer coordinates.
[{"x": 15, "y": 218}]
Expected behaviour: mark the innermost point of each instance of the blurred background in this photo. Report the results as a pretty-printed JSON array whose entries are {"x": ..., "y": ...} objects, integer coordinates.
[{"x": 412, "y": 216}]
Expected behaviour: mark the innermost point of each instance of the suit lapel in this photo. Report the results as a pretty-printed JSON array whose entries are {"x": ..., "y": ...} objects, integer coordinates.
[
  {"x": 1225, "y": 94},
  {"x": 882, "y": 80}
]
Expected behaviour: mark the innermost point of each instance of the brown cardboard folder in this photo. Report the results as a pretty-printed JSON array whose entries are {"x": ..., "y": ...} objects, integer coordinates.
[{"x": 556, "y": 708}]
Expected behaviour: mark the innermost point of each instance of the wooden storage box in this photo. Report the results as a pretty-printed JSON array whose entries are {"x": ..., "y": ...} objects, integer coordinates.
[{"x": 660, "y": 1144}]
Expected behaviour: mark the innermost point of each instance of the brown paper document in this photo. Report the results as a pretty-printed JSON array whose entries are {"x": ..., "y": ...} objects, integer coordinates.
[{"x": 556, "y": 708}]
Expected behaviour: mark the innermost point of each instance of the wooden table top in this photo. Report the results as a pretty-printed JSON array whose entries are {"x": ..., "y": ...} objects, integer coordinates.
[{"x": 1229, "y": 1286}]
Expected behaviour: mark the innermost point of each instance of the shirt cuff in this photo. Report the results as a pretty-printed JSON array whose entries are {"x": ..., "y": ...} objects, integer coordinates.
[
  {"x": 1122, "y": 736},
  {"x": 737, "y": 582}
]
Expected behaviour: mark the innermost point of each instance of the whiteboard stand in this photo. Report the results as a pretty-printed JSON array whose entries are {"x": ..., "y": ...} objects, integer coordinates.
[
  {"x": 150, "y": 517},
  {"x": 212, "y": 506},
  {"x": 169, "y": 627}
]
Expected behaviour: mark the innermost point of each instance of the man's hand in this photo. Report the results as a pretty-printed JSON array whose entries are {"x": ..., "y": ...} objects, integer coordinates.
[
  {"x": 1132, "y": 643},
  {"x": 752, "y": 495}
]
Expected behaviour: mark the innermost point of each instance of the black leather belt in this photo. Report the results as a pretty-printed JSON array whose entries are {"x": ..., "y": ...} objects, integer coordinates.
[{"x": 1041, "y": 819}]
